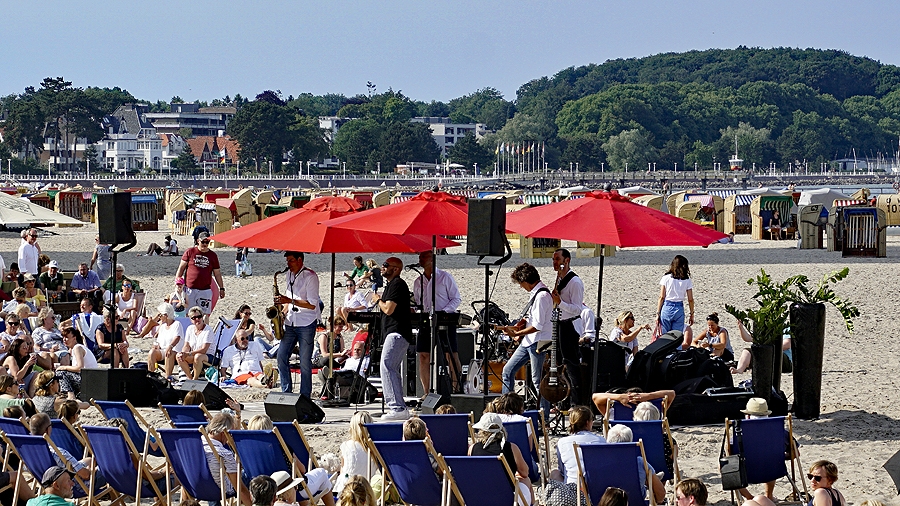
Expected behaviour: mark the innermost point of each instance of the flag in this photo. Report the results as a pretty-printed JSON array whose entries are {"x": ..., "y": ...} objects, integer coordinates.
[{"x": 497, "y": 150}]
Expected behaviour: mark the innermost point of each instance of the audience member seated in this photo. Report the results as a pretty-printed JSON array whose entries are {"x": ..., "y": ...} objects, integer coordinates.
[
  {"x": 757, "y": 407},
  {"x": 353, "y": 300},
  {"x": 197, "y": 341},
  {"x": 822, "y": 476},
  {"x": 178, "y": 298},
  {"x": 357, "y": 492},
  {"x": 33, "y": 294},
  {"x": 745, "y": 360},
  {"x": 12, "y": 275},
  {"x": 491, "y": 440},
  {"x": 336, "y": 353},
  {"x": 86, "y": 283},
  {"x": 111, "y": 287},
  {"x": 9, "y": 394},
  {"x": 46, "y": 398},
  {"x": 48, "y": 340},
  {"x": 53, "y": 282},
  {"x": 623, "y": 434},
  {"x": 715, "y": 339},
  {"x": 40, "y": 425},
  {"x": 169, "y": 335},
  {"x": 359, "y": 269},
  {"x": 244, "y": 359},
  {"x": 126, "y": 305},
  {"x": 217, "y": 428},
  {"x": 775, "y": 226},
  {"x": 511, "y": 408},
  {"x": 581, "y": 423},
  {"x": 70, "y": 411},
  {"x": 87, "y": 322},
  {"x": 623, "y": 334},
  {"x": 112, "y": 341},
  {"x": 631, "y": 397},
  {"x": 262, "y": 490},
  {"x": 194, "y": 398},
  {"x": 81, "y": 357},
  {"x": 691, "y": 492},
  {"x": 247, "y": 326},
  {"x": 12, "y": 332},
  {"x": 374, "y": 277},
  {"x": 23, "y": 311},
  {"x": 354, "y": 456},
  {"x": 19, "y": 298},
  {"x": 169, "y": 248}
]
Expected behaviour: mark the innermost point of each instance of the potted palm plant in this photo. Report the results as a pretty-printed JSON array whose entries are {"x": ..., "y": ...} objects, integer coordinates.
[{"x": 793, "y": 305}]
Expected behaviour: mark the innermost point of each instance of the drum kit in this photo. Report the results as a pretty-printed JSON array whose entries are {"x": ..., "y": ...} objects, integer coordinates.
[{"x": 498, "y": 345}]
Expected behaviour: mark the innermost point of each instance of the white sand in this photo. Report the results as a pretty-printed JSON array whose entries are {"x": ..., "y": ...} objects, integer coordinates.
[{"x": 858, "y": 428}]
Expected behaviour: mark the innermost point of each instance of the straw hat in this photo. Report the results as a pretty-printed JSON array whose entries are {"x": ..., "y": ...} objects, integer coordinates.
[
  {"x": 757, "y": 406},
  {"x": 283, "y": 481}
]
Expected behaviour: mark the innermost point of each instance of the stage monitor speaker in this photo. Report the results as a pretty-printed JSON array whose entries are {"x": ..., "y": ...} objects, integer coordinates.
[
  {"x": 213, "y": 396},
  {"x": 471, "y": 403},
  {"x": 487, "y": 227},
  {"x": 432, "y": 402},
  {"x": 114, "y": 218},
  {"x": 118, "y": 385},
  {"x": 285, "y": 407}
]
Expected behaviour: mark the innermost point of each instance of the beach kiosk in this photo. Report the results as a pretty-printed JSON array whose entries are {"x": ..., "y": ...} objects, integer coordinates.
[{"x": 763, "y": 207}]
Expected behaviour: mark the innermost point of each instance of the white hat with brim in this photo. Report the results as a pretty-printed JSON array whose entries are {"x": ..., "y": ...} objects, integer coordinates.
[
  {"x": 283, "y": 481},
  {"x": 489, "y": 422},
  {"x": 757, "y": 406}
]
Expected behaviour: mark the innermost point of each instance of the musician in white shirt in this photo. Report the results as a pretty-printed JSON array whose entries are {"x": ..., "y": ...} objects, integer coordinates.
[
  {"x": 448, "y": 300},
  {"x": 568, "y": 296},
  {"x": 300, "y": 306}
]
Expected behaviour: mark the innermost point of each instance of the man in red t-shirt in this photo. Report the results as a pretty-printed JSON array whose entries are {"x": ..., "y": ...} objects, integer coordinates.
[{"x": 198, "y": 266}]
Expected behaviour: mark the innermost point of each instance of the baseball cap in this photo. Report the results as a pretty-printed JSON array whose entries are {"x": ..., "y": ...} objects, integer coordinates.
[
  {"x": 53, "y": 474},
  {"x": 204, "y": 235},
  {"x": 53, "y": 264},
  {"x": 179, "y": 281}
]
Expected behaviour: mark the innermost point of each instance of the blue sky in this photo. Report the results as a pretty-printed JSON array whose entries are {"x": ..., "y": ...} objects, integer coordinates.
[{"x": 429, "y": 50}]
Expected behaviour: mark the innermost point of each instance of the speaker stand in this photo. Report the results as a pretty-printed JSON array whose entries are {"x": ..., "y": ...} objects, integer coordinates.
[{"x": 111, "y": 306}]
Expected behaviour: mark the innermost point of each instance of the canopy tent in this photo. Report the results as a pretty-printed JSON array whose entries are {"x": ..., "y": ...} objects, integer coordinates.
[
  {"x": 824, "y": 196},
  {"x": 18, "y": 213}
]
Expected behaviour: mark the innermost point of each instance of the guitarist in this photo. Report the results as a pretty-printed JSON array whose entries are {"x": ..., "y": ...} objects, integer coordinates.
[
  {"x": 534, "y": 327},
  {"x": 569, "y": 297}
]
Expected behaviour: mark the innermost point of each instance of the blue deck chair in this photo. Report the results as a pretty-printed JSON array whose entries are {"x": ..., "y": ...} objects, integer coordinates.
[
  {"x": 652, "y": 434},
  {"x": 36, "y": 454},
  {"x": 764, "y": 442},
  {"x": 125, "y": 411},
  {"x": 66, "y": 437},
  {"x": 293, "y": 436},
  {"x": 485, "y": 481},
  {"x": 517, "y": 432},
  {"x": 612, "y": 465},
  {"x": 264, "y": 452},
  {"x": 407, "y": 465},
  {"x": 449, "y": 433},
  {"x": 384, "y": 431},
  {"x": 183, "y": 449},
  {"x": 540, "y": 433},
  {"x": 623, "y": 412},
  {"x": 190, "y": 425},
  {"x": 114, "y": 455},
  {"x": 13, "y": 426},
  {"x": 178, "y": 413}
]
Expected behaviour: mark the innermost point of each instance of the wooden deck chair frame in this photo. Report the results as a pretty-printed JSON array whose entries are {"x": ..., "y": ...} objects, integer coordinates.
[
  {"x": 222, "y": 474},
  {"x": 517, "y": 493},
  {"x": 313, "y": 462},
  {"x": 137, "y": 416},
  {"x": 313, "y": 499},
  {"x": 6, "y": 452},
  {"x": 184, "y": 493},
  {"x": 143, "y": 471},
  {"x": 543, "y": 464},
  {"x": 667, "y": 433},
  {"x": 78, "y": 433},
  {"x": 583, "y": 485},
  {"x": 447, "y": 484}
]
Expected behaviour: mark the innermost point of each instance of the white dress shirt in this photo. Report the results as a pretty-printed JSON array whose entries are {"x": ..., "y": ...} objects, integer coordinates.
[
  {"x": 302, "y": 286},
  {"x": 243, "y": 361},
  {"x": 448, "y": 297},
  {"x": 571, "y": 299},
  {"x": 539, "y": 316},
  {"x": 354, "y": 301},
  {"x": 28, "y": 258}
]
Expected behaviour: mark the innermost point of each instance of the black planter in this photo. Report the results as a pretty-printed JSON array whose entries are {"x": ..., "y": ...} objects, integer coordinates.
[
  {"x": 776, "y": 367},
  {"x": 763, "y": 370},
  {"x": 807, "y": 345}
]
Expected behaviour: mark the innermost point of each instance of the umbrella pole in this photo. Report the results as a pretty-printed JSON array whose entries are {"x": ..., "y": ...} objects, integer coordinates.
[
  {"x": 330, "y": 331},
  {"x": 433, "y": 317},
  {"x": 598, "y": 321}
]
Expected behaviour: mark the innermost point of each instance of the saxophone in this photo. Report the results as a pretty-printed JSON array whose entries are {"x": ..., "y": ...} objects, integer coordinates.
[{"x": 273, "y": 312}]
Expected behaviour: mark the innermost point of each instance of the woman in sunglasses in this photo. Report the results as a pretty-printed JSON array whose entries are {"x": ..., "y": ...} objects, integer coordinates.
[
  {"x": 111, "y": 341},
  {"x": 11, "y": 333},
  {"x": 126, "y": 304}
]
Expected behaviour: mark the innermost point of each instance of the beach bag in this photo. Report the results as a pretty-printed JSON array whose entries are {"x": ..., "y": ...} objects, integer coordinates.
[
  {"x": 657, "y": 331},
  {"x": 733, "y": 468},
  {"x": 557, "y": 493}
]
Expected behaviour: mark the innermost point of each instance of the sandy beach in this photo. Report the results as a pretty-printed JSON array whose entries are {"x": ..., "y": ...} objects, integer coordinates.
[{"x": 858, "y": 429}]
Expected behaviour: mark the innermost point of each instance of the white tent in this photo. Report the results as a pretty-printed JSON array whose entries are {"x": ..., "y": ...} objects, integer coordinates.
[
  {"x": 635, "y": 191},
  {"x": 824, "y": 196},
  {"x": 17, "y": 212}
]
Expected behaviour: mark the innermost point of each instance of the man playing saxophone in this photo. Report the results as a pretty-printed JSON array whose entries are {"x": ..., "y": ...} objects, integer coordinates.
[{"x": 299, "y": 301}]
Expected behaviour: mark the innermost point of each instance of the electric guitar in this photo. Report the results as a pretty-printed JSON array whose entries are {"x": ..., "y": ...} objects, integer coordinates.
[{"x": 554, "y": 384}]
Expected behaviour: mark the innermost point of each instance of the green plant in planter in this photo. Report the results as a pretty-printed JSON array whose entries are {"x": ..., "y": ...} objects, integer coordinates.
[{"x": 771, "y": 318}]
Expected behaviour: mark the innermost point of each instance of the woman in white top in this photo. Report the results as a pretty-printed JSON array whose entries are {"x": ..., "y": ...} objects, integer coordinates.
[
  {"x": 622, "y": 333},
  {"x": 70, "y": 375},
  {"x": 354, "y": 457},
  {"x": 178, "y": 298},
  {"x": 674, "y": 287},
  {"x": 126, "y": 305},
  {"x": 169, "y": 333}
]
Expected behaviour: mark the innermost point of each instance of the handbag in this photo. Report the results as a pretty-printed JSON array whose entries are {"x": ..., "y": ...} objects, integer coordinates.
[
  {"x": 733, "y": 468},
  {"x": 657, "y": 332}
]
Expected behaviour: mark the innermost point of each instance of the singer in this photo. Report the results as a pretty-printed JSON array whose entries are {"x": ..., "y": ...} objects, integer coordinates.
[
  {"x": 198, "y": 266},
  {"x": 300, "y": 304}
]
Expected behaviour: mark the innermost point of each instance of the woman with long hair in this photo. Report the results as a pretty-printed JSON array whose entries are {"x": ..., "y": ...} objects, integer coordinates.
[
  {"x": 70, "y": 375},
  {"x": 674, "y": 287},
  {"x": 111, "y": 340},
  {"x": 354, "y": 457}
]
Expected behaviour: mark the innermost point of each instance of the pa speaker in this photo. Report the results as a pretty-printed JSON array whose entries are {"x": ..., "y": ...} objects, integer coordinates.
[
  {"x": 286, "y": 407},
  {"x": 213, "y": 396},
  {"x": 487, "y": 227},
  {"x": 472, "y": 403},
  {"x": 118, "y": 385},
  {"x": 432, "y": 401},
  {"x": 114, "y": 218}
]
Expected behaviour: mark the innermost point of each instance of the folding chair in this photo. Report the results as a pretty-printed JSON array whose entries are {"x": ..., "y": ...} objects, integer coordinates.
[
  {"x": 295, "y": 439},
  {"x": 13, "y": 426},
  {"x": 541, "y": 431},
  {"x": 485, "y": 481},
  {"x": 189, "y": 425},
  {"x": 613, "y": 465},
  {"x": 450, "y": 433},
  {"x": 115, "y": 454},
  {"x": 67, "y": 437},
  {"x": 765, "y": 448},
  {"x": 517, "y": 432},
  {"x": 125, "y": 411},
  {"x": 407, "y": 465},
  {"x": 183, "y": 449},
  {"x": 179, "y": 413},
  {"x": 384, "y": 431},
  {"x": 653, "y": 434},
  {"x": 616, "y": 411},
  {"x": 265, "y": 452}
]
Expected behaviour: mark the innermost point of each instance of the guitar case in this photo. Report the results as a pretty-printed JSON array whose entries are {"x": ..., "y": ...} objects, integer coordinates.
[{"x": 646, "y": 371}]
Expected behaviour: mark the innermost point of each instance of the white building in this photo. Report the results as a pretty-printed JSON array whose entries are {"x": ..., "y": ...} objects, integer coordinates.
[
  {"x": 203, "y": 121},
  {"x": 131, "y": 142},
  {"x": 446, "y": 134}
]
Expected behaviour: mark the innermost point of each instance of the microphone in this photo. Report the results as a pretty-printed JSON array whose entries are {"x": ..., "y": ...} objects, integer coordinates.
[
  {"x": 413, "y": 266},
  {"x": 223, "y": 321}
]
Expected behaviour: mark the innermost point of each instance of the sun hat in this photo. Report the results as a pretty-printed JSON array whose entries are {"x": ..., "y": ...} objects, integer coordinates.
[
  {"x": 27, "y": 277},
  {"x": 53, "y": 474},
  {"x": 490, "y": 422},
  {"x": 757, "y": 406},
  {"x": 283, "y": 481}
]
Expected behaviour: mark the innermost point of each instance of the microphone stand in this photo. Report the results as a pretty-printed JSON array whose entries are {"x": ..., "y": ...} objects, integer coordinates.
[{"x": 218, "y": 355}]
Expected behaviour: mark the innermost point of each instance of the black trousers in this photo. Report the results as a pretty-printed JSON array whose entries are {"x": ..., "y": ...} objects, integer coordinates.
[{"x": 571, "y": 357}]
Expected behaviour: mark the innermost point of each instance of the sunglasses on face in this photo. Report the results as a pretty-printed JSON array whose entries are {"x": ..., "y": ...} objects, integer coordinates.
[
  {"x": 197, "y": 317},
  {"x": 126, "y": 286},
  {"x": 247, "y": 313},
  {"x": 814, "y": 478},
  {"x": 385, "y": 265},
  {"x": 204, "y": 242},
  {"x": 245, "y": 339}
]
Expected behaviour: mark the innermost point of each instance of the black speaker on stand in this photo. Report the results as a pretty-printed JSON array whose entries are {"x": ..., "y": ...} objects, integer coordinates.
[
  {"x": 487, "y": 227},
  {"x": 114, "y": 218}
]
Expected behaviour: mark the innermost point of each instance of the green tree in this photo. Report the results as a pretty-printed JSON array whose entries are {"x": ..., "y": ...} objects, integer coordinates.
[
  {"x": 630, "y": 146},
  {"x": 355, "y": 141},
  {"x": 700, "y": 156},
  {"x": 185, "y": 161},
  {"x": 407, "y": 142},
  {"x": 263, "y": 129},
  {"x": 584, "y": 150},
  {"x": 185, "y": 132},
  {"x": 754, "y": 145},
  {"x": 467, "y": 151},
  {"x": 90, "y": 153},
  {"x": 484, "y": 106},
  {"x": 308, "y": 140}
]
